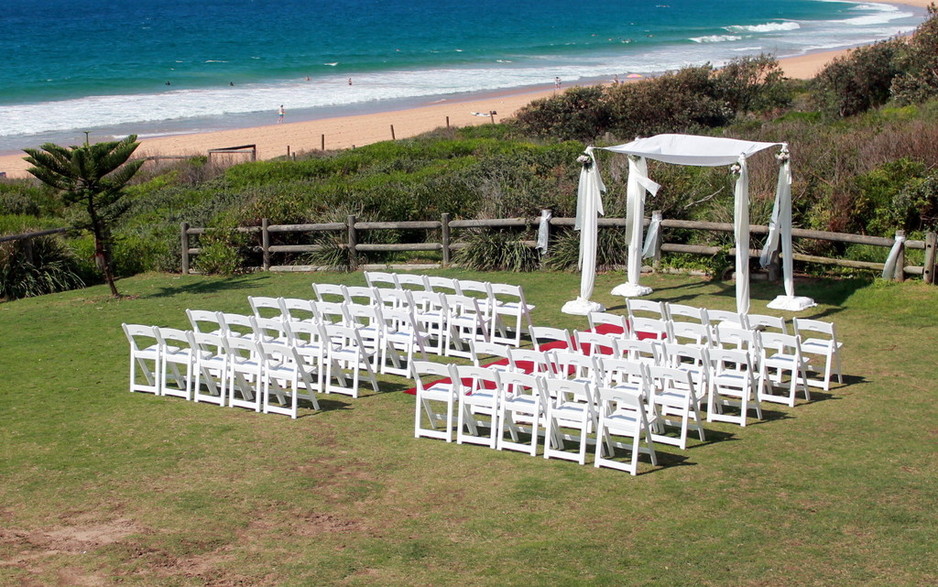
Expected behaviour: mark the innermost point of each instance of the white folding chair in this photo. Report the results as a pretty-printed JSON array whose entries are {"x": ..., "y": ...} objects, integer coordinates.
[
  {"x": 542, "y": 335},
  {"x": 236, "y": 325},
  {"x": 442, "y": 388},
  {"x": 571, "y": 407},
  {"x": 478, "y": 396},
  {"x": 145, "y": 355},
  {"x": 732, "y": 384},
  {"x": 211, "y": 368},
  {"x": 725, "y": 317},
  {"x": 689, "y": 333},
  {"x": 244, "y": 373},
  {"x": 306, "y": 338},
  {"x": 673, "y": 394},
  {"x": 403, "y": 339},
  {"x": 482, "y": 292},
  {"x": 619, "y": 373},
  {"x": 265, "y": 306},
  {"x": 394, "y": 299},
  {"x": 438, "y": 284},
  {"x": 432, "y": 315},
  {"x": 781, "y": 353},
  {"x": 693, "y": 359},
  {"x": 685, "y": 313},
  {"x": 269, "y": 329},
  {"x": 284, "y": 371},
  {"x": 466, "y": 322},
  {"x": 824, "y": 344},
  {"x": 522, "y": 408},
  {"x": 609, "y": 323},
  {"x": 330, "y": 312},
  {"x": 346, "y": 356},
  {"x": 622, "y": 413},
  {"x": 176, "y": 362},
  {"x": 367, "y": 320},
  {"x": 645, "y": 308},
  {"x": 511, "y": 312}
]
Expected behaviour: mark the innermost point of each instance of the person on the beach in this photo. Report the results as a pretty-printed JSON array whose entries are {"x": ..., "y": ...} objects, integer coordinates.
[
  {"x": 349, "y": 81},
  {"x": 280, "y": 114},
  {"x": 557, "y": 83}
]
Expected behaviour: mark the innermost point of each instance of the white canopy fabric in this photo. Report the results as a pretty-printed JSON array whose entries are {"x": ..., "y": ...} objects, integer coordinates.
[
  {"x": 709, "y": 152},
  {"x": 589, "y": 206}
]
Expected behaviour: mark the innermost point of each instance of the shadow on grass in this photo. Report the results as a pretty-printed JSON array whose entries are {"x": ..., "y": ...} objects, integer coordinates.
[
  {"x": 326, "y": 404},
  {"x": 206, "y": 286}
]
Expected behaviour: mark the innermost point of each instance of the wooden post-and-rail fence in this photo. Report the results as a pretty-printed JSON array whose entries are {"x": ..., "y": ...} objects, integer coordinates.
[{"x": 354, "y": 248}]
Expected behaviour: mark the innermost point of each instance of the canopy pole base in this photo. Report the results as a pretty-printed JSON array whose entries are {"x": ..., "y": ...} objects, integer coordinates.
[
  {"x": 582, "y": 307},
  {"x": 791, "y": 303},
  {"x": 631, "y": 290}
]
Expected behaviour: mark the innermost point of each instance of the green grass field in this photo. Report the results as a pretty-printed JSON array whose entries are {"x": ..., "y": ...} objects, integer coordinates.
[{"x": 103, "y": 486}]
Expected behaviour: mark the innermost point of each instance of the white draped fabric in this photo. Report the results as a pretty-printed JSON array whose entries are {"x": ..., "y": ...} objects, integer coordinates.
[
  {"x": 589, "y": 206},
  {"x": 654, "y": 227},
  {"x": 699, "y": 151},
  {"x": 741, "y": 232},
  {"x": 543, "y": 231},
  {"x": 890, "y": 269}
]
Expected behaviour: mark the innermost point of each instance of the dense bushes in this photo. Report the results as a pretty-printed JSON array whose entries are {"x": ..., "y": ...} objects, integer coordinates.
[
  {"x": 37, "y": 266},
  {"x": 689, "y": 100}
]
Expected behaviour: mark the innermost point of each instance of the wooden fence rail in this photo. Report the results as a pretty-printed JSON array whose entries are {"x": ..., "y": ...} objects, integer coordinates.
[{"x": 352, "y": 228}]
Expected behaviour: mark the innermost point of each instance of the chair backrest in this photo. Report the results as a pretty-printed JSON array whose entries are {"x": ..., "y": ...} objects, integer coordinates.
[
  {"x": 732, "y": 360},
  {"x": 476, "y": 289},
  {"x": 642, "y": 328},
  {"x": 269, "y": 329},
  {"x": 623, "y": 372},
  {"x": 427, "y": 301},
  {"x": 605, "y": 322},
  {"x": 394, "y": 298},
  {"x": 732, "y": 319},
  {"x": 277, "y": 355},
  {"x": 646, "y": 308},
  {"x": 364, "y": 316},
  {"x": 140, "y": 336},
  {"x": 330, "y": 312},
  {"x": 529, "y": 360},
  {"x": 444, "y": 285},
  {"x": 573, "y": 365},
  {"x": 611, "y": 399},
  {"x": 683, "y": 356},
  {"x": 522, "y": 384},
  {"x": 568, "y": 390},
  {"x": 265, "y": 306},
  {"x": 671, "y": 381},
  {"x": 473, "y": 379},
  {"x": 303, "y": 332},
  {"x": 296, "y": 309},
  {"x": 739, "y": 338},
  {"x": 204, "y": 321},
  {"x": 765, "y": 323},
  {"x": 460, "y": 305},
  {"x": 208, "y": 344},
  {"x": 826, "y": 330},
  {"x": 381, "y": 279},
  {"x": 506, "y": 292},
  {"x": 329, "y": 292},
  {"x": 689, "y": 333},
  {"x": 685, "y": 313},
  {"x": 171, "y": 337},
  {"x": 542, "y": 335},
  {"x": 341, "y": 337},
  {"x": 236, "y": 324},
  {"x": 782, "y": 343},
  {"x": 423, "y": 368},
  {"x": 597, "y": 345},
  {"x": 482, "y": 352},
  {"x": 646, "y": 351},
  {"x": 358, "y": 294},
  {"x": 240, "y": 350},
  {"x": 412, "y": 281}
]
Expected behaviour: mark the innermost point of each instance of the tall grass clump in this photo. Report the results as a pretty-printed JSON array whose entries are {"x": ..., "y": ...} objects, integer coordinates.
[
  {"x": 497, "y": 250},
  {"x": 37, "y": 266}
]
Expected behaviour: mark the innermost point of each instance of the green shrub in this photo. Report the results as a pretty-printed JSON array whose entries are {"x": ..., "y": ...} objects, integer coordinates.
[
  {"x": 858, "y": 81},
  {"x": 917, "y": 77},
  {"x": 497, "y": 250},
  {"x": 37, "y": 266},
  {"x": 223, "y": 252}
]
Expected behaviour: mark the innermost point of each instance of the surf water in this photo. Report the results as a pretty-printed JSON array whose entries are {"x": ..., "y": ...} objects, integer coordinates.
[{"x": 155, "y": 67}]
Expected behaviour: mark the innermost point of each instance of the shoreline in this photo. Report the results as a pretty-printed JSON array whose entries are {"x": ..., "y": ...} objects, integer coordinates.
[{"x": 343, "y": 132}]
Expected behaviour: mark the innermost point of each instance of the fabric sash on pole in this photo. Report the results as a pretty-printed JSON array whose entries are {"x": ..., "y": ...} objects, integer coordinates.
[
  {"x": 741, "y": 231},
  {"x": 889, "y": 270},
  {"x": 589, "y": 207},
  {"x": 780, "y": 225},
  {"x": 651, "y": 237},
  {"x": 638, "y": 184}
]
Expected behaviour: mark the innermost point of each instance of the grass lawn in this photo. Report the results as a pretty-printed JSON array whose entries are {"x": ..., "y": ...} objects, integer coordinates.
[{"x": 103, "y": 486}]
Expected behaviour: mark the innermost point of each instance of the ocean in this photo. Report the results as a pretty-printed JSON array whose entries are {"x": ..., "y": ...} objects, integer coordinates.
[{"x": 157, "y": 67}]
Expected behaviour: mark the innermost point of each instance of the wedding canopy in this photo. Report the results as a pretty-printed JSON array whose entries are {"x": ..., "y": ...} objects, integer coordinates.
[{"x": 687, "y": 150}]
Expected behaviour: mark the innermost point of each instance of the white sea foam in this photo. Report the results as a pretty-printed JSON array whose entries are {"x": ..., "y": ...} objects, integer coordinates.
[
  {"x": 769, "y": 27},
  {"x": 715, "y": 38}
]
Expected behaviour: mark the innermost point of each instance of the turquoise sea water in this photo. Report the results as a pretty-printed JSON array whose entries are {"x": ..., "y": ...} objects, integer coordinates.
[{"x": 164, "y": 66}]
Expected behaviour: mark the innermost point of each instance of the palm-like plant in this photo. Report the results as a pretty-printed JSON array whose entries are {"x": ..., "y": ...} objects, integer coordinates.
[{"x": 94, "y": 177}]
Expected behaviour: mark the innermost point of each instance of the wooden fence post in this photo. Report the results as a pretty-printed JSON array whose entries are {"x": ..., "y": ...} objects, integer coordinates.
[
  {"x": 931, "y": 243},
  {"x": 899, "y": 274},
  {"x": 444, "y": 236},
  {"x": 184, "y": 243},
  {"x": 393, "y": 138},
  {"x": 265, "y": 243},
  {"x": 352, "y": 243}
]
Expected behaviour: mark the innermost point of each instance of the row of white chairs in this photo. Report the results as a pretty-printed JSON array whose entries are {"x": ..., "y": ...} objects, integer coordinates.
[
  {"x": 269, "y": 368},
  {"x": 506, "y": 310},
  {"x": 562, "y": 390},
  {"x": 696, "y": 325}
]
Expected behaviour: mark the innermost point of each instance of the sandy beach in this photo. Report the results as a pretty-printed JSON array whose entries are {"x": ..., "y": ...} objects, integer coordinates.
[{"x": 344, "y": 132}]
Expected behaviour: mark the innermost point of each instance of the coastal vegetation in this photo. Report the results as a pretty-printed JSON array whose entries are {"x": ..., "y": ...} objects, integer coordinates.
[{"x": 863, "y": 156}]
